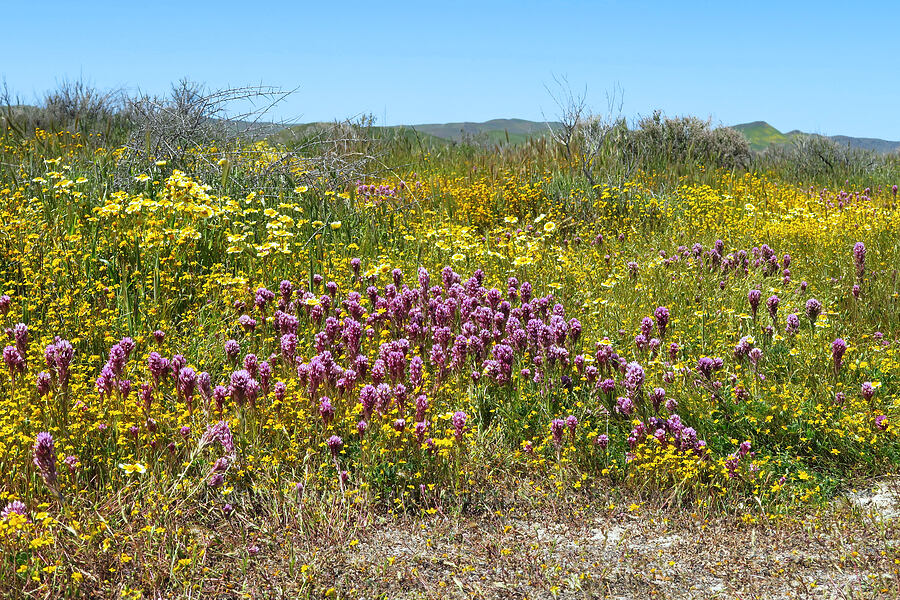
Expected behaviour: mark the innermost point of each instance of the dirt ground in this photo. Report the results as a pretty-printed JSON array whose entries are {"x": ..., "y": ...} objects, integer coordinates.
[{"x": 851, "y": 549}]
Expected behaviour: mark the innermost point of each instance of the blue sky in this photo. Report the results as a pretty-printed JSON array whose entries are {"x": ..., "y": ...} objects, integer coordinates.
[{"x": 825, "y": 67}]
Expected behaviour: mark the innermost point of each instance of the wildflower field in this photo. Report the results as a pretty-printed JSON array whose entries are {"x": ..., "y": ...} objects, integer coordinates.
[{"x": 229, "y": 375}]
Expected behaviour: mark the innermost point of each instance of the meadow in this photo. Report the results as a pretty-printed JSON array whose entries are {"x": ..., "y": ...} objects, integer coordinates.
[{"x": 228, "y": 369}]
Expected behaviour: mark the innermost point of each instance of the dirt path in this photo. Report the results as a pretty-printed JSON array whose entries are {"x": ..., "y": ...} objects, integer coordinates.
[{"x": 850, "y": 551}]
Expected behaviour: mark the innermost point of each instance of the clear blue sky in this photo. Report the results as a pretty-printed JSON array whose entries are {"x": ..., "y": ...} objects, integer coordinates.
[{"x": 825, "y": 67}]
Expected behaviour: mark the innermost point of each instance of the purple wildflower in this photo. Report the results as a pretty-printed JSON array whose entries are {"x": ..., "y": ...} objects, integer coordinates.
[
  {"x": 634, "y": 378},
  {"x": 459, "y": 424},
  {"x": 754, "y": 297},
  {"x": 219, "y": 432},
  {"x": 813, "y": 310},
  {"x": 43, "y": 382},
  {"x": 868, "y": 391},
  {"x": 20, "y": 334},
  {"x": 772, "y": 305},
  {"x": 326, "y": 410},
  {"x": 572, "y": 423},
  {"x": 624, "y": 406},
  {"x": 14, "y": 360},
  {"x": 859, "y": 259},
  {"x": 557, "y": 427},
  {"x": 793, "y": 324},
  {"x": 632, "y": 269},
  {"x": 335, "y": 444},
  {"x": 15, "y": 507},
  {"x": 662, "y": 320},
  {"x": 755, "y": 356},
  {"x": 158, "y": 366},
  {"x": 45, "y": 458},
  {"x": 240, "y": 383},
  {"x": 838, "y": 347}
]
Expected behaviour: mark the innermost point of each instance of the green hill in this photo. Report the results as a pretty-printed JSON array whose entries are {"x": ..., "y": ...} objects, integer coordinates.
[
  {"x": 761, "y": 135},
  {"x": 493, "y": 132},
  {"x": 306, "y": 132},
  {"x": 513, "y": 131}
]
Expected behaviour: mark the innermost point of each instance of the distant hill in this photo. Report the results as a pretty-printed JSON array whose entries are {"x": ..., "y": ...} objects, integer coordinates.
[
  {"x": 298, "y": 134},
  {"x": 513, "y": 131},
  {"x": 761, "y": 135},
  {"x": 495, "y": 131},
  {"x": 878, "y": 145}
]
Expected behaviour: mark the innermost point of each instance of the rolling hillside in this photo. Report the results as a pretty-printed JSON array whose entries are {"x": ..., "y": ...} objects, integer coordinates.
[
  {"x": 496, "y": 131},
  {"x": 762, "y": 135},
  {"x": 499, "y": 130}
]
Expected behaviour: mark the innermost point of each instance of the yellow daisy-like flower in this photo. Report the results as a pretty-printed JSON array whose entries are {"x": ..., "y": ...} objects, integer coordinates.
[{"x": 134, "y": 468}]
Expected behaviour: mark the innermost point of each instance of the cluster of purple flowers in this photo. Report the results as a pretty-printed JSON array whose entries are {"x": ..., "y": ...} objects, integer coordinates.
[
  {"x": 16, "y": 356},
  {"x": 461, "y": 328},
  {"x": 15, "y": 507},
  {"x": 671, "y": 431},
  {"x": 219, "y": 432},
  {"x": 754, "y": 297},
  {"x": 112, "y": 374},
  {"x": 764, "y": 259},
  {"x": 732, "y": 463},
  {"x": 58, "y": 356},
  {"x": 706, "y": 366},
  {"x": 380, "y": 191}
]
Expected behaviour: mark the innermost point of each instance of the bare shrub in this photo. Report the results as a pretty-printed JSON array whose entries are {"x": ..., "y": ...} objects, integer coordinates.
[
  {"x": 817, "y": 158},
  {"x": 191, "y": 118},
  {"x": 74, "y": 105},
  {"x": 75, "y": 102},
  {"x": 588, "y": 139},
  {"x": 199, "y": 131},
  {"x": 601, "y": 147},
  {"x": 572, "y": 108}
]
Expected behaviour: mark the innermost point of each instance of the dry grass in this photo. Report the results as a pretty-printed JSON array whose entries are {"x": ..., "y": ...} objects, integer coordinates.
[{"x": 595, "y": 544}]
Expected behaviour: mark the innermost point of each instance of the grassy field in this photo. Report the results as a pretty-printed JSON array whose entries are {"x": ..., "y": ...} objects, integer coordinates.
[{"x": 386, "y": 368}]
